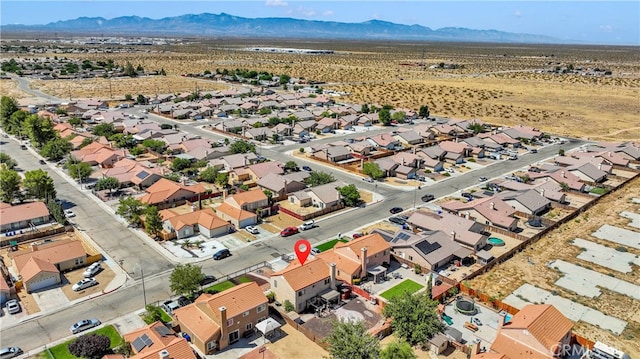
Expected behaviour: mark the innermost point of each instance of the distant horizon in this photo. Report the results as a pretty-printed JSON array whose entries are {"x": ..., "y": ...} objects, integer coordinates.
[{"x": 585, "y": 22}]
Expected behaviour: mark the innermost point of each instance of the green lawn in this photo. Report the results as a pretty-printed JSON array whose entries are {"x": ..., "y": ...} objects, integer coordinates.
[
  {"x": 61, "y": 351},
  {"x": 406, "y": 285},
  {"x": 244, "y": 279},
  {"x": 599, "y": 191},
  {"x": 328, "y": 245},
  {"x": 166, "y": 318},
  {"x": 220, "y": 286}
]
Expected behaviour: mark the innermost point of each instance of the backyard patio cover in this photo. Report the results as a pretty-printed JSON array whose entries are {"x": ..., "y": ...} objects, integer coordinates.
[
  {"x": 330, "y": 295},
  {"x": 268, "y": 325},
  {"x": 377, "y": 270}
]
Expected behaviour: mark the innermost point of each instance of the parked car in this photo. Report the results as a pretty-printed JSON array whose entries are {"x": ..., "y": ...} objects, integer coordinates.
[
  {"x": 307, "y": 225},
  {"x": 252, "y": 229},
  {"x": 482, "y": 179},
  {"x": 534, "y": 169},
  {"x": 183, "y": 301},
  {"x": 356, "y": 235},
  {"x": 207, "y": 279},
  {"x": 42, "y": 162},
  {"x": 83, "y": 325},
  {"x": 84, "y": 284},
  {"x": 92, "y": 270},
  {"x": 69, "y": 213},
  {"x": 10, "y": 352},
  {"x": 368, "y": 179},
  {"x": 467, "y": 195},
  {"x": 13, "y": 306},
  {"x": 533, "y": 150},
  {"x": 395, "y": 210},
  {"x": 307, "y": 168},
  {"x": 289, "y": 231},
  {"x": 476, "y": 321},
  {"x": 397, "y": 220},
  {"x": 315, "y": 251},
  {"x": 23, "y": 147},
  {"x": 222, "y": 254},
  {"x": 427, "y": 197},
  {"x": 169, "y": 306}
]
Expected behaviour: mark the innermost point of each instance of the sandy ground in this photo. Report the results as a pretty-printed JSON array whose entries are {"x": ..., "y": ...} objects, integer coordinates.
[
  {"x": 9, "y": 88},
  {"x": 296, "y": 345},
  {"x": 505, "y": 278}
]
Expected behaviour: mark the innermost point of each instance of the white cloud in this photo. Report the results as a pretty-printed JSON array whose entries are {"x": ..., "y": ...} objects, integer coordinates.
[
  {"x": 606, "y": 28},
  {"x": 517, "y": 13},
  {"x": 275, "y": 3},
  {"x": 327, "y": 13}
]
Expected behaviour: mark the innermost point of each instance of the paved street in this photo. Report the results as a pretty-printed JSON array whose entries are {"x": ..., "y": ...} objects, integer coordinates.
[{"x": 134, "y": 253}]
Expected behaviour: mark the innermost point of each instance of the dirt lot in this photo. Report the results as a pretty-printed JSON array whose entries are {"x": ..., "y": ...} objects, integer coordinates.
[{"x": 508, "y": 276}]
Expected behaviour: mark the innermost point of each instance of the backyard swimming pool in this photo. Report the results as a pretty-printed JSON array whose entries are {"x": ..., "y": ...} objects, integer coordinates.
[{"x": 494, "y": 241}]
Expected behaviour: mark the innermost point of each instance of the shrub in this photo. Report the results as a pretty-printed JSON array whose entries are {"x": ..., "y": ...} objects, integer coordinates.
[
  {"x": 447, "y": 174},
  {"x": 271, "y": 296},
  {"x": 417, "y": 269},
  {"x": 90, "y": 346},
  {"x": 288, "y": 306},
  {"x": 621, "y": 249},
  {"x": 301, "y": 149},
  {"x": 471, "y": 160}
]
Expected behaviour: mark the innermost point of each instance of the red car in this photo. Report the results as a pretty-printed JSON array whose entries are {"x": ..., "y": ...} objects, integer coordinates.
[
  {"x": 289, "y": 231},
  {"x": 357, "y": 235}
]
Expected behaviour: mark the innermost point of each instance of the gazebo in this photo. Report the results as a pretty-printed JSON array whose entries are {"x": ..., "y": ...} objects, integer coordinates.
[{"x": 267, "y": 327}]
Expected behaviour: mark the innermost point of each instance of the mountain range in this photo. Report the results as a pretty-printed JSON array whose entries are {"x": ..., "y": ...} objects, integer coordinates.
[{"x": 225, "y": 25}]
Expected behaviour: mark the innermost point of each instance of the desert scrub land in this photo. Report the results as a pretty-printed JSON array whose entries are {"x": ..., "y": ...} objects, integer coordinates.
[
  {"x": 500, "y": 84},
  {"x": 508, "y": 276},
  {"x": 10, "y": 88}
]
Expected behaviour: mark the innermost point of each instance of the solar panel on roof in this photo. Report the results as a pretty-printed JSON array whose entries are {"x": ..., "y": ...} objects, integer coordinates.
[
  {"x": 142, "y": 174},
  {"x": 163, "y": 331},
  {"x": 426, "y": 247},
  {"x": 147, "y": 341},
  {"x": 138, "y": 344}
]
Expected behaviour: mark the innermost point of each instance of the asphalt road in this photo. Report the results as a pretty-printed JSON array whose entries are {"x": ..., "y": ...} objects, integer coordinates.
[{"x": 118, "y": 241}]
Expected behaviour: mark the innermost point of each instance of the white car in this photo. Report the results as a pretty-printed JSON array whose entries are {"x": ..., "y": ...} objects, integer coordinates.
[
  {"x": 252, "y": 229},
  {"x": 13, "y": 306},
  {"x": 368, "y": 179},
  {"x": 84, "y": 284},
  {"x": 10, "y": 352},
  {"x": 92, "y": 270},
  {"x": 83, "y": 325},
  {"x": 69, "y": 213},
  {"x": 307, "y": 225}
]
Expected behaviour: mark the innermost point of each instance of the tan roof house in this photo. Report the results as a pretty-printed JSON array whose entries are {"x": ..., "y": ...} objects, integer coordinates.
[
  {"x": 536, "y": 331},
  {"x": 165, "y": 193},
  {"x": 214, "y": 321},
  {"x": 239, "y": 218},
  {"x": 490, "y": 210},
  {"x": 304, "y": 285},
  {"x": 156, "y": 341},
  {"x": 360, "y": 258},
  {"x": 204, "y": 221},
  {"x": 252, "y": 201},
  {"x": 461, "y": 230},
  {"x": 280, "y": 185},
  {"x": 22, "y": 216}
]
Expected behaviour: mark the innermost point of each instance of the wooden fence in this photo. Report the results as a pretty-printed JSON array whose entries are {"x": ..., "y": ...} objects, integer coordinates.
[
  {"x": 307, "y": 332},
  {"x": 304, "y": 217},
  {"x": 25, "y": 237}
]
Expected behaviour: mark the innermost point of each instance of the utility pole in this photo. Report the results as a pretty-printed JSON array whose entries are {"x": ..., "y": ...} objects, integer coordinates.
[{"x": 144, "y": 292}]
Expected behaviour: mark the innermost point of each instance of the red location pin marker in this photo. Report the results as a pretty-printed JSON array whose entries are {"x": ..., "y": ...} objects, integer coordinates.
[{"x": 302, "y": 249}]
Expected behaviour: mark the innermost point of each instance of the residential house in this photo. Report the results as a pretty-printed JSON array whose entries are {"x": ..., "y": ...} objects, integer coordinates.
[
  {"x": 129, "y": 172},
  {"x": 431, "y": 164},
  {"x": 500, "y": 139},
  {"x": 239, "y": 218},
  {"x": 214, "y": 321},
  {"x": 423, "y": 130},
  {"x": 361, "y": 148},
  {"x": 328, "y": 124},
  {"x": 258, "y": 134},
  {"x": 280, "y": 186},
  {"x": 459, "y": 148},
  {"x": 40, "y": 266},
  {"x": 364, "y": 257},
  {"x": 409, "y": 137},
  {"x": 523, "y": 133},
  {"x": 462, "y": 230},
  {"x": 589, "y": 173},
  {"x": 407, "y": 159},
  {"x": 262, "y": 169},
  {"x": 388, "y": 166},
  {"x": 435, "y": 152},
  {"x": 97, "y": 154},
  {"x": 561, "y": 176},
  {"x": 234, "y": 161},
  {"x": 430, "y": 250},
  {"x": 253, "y": 201},
  {"x": 536, "y": 331},
  {"x": 165, "y": 193},
  {"x": 529, "y": 202},
  {"x": 323, "y": 196},
  {"x": 23, "y": 216},
  {"x": 203, "y": 221},
  {"x": 491, "y": 211},
  {"x": 305, "y": 285},
  {"x": 548, "y": 189},
  {"x": 333, "y": 153},
  {"x": 5, "y": 290},
  {"x": 386, "y": 141},
  {"x": 156, "y": 340},
  {"x": 406, "y": 172}
]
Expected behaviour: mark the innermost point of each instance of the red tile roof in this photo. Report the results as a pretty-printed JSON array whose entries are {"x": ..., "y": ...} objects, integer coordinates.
[{"x": 22, "y": 212}]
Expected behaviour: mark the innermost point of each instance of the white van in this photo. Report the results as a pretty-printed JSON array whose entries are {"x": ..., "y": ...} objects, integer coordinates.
[{"x": 307, "y": 225}]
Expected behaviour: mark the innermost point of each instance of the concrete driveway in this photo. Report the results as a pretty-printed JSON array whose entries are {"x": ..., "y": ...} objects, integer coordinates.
[{"x": 50, "y": 299}]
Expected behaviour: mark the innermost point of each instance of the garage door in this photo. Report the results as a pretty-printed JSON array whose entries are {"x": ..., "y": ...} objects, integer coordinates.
[{"x": 44, "y": 282}]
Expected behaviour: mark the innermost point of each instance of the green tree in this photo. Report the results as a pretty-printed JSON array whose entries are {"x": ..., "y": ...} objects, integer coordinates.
[
  {"x": 242, "y": 146},
  {"x": 38, "y": 184},
  {"x": 424, "y": 111},
  {"x": 75, "y": 121},
  {"x": 348, "y": 340},
  {"x": 121, "y": 140},
  {"x": 16, "y": 122},
  {"x": 186, "y": 278},
  {"x": 397, "y": 349},
  {"x": 104, "y": 129},
  {"x": 129, "y": 70},
  {"x": 154, "y": 145},
  {"x": 365, "y": 108},
  {"x": 86, "y": 142},
  {"x": 561, "y": 152},
  {"x": 128, "y": 97},
  {"x": 222, "y": 179},
  {"x": 136, "y": 151},
  {"x": 153, "y": 314},
  {"x": 317, "y": 178},
  {"x": 141, "y": 100},
  {"x": 564, "y": 187},
  {"x": 56, "y": 149},
  {"x": 109, "y": 183},
  {"x": 350, "y": 195},
  {"x": 284, "y": 79},
  {"x": 130, "y": 209},
  {"x": 9, "y": 184},
  {"x": 414, "y": 317},
  {"x": 290, "y": 166},
  {"x": 209, "y": 174},
  {"x": 39, "y": 129},
  {"x": 384, "y": 116},
  {"x": 80, "y": 171},
  {"x": 8, "y": 161},
  {"x": 269, "y": 195},
  {"x": 179, "y": 164},
  {"x": 8, "y": 105},
  {"x": 476, "y": 128},
  {"x": 152, "y": 221},
  {"x": 399, "y": 116},
  {"x": 372, "y": 170}
]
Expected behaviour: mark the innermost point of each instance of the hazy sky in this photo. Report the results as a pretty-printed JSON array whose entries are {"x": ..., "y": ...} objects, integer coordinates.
[{"x": 603, "y": 22}]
